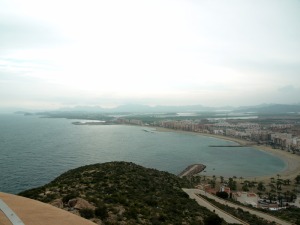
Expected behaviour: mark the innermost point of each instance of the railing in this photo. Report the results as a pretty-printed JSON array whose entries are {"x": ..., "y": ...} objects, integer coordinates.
[{"x": 13, "y": 218}]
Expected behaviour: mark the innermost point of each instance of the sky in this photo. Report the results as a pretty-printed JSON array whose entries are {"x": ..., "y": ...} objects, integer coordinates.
[{"x": 63, "y": 53}]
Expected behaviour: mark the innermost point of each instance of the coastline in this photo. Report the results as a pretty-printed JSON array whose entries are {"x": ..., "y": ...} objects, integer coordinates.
[{"x": 292, "y": 161}]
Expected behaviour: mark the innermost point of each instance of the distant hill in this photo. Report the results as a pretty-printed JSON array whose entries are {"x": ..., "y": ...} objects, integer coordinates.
[
  {"x": 122, "y": 193},
  {"x": 136, "y": 108},
  {"x": 144, "y": 108},
  {"x": 270, "y": 109}
]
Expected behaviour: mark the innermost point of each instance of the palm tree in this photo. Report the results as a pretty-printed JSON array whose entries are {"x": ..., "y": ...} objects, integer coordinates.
[
  {"x": 279, "y": 197},
  {"x": 272, "y": 186},
  {"x": 222, "y": 179},
  {"x": 278, "y": 184},
  {"x": 270, "y": 197},
  {"x": 241, "y": 178},
  {"x": 261, "y": 186},
  {"x": 213, "y": 183},
  {"x": 278, "y": 175},
  {"x": 293, "y": 196}
]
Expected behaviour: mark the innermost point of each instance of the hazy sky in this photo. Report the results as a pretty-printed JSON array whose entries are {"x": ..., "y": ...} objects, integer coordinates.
[{"x": 56, "y": 53}]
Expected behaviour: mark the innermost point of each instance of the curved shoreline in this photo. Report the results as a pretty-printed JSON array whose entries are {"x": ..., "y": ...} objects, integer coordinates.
[{"x": 292, "y": 161}]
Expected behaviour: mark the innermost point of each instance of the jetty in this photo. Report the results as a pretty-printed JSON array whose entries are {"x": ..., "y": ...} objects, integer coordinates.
[
  {"x": 236, "y": 145},
  {"x": 191, "y": 170},
  {"x": 231, "y": 146}
]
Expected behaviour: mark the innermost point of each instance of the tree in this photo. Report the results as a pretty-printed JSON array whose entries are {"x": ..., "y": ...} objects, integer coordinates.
[
  {"x": 131, "y": 213},
  {"x": 297, "y": 179},
  {"x": 261, "y": 186},
  {"x": 213, "y": 220},
  {"x": 222, "y": 179},
  {"x": 222, "y": 194},
  {"x": 213, "y": 183},
  {"x": 259, "y": 194},
  {"x": 245, "y": 188},
  {"x": 101, "y": 211},
  {"x": 278, "y": 184},
  {"x": 279, "y": 199},
  {"x": 293, "y": 197},
  {"x": 241, "y": 178},
  {"x": 86, "y": 213},
  {"x": 232, "y": 184},
  {"x": 251, "y": 184},
  {"x": 287, "y": 182},
  {"x": 270, "y": 197},
  {"x": 70, "y": 196}
]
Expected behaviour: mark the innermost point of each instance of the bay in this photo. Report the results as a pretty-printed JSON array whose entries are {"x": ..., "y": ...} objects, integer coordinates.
[{"x": 33, "y": 151}]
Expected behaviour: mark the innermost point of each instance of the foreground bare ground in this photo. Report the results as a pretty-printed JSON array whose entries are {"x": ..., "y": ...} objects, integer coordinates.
[{"x": 32, "y": 212}]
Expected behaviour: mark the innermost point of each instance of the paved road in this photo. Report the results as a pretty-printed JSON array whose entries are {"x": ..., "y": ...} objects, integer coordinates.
[
  {"x": 254, "y": 212},
  {"x": 227, "y": 217}
]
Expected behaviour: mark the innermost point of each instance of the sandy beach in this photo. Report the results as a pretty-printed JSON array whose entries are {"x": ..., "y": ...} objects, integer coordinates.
[{"x": 292, "y": 161}]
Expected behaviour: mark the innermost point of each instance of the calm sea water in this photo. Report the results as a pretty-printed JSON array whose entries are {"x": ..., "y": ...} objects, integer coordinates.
[{"x": 33, "y": 151}]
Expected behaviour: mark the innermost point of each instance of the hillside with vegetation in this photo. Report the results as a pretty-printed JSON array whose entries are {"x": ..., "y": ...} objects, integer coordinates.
[{"x": 123, "y": 193}]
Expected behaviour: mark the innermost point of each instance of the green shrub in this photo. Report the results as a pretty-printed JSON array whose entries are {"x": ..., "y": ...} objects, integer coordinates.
[
  {"x": 67, "y": 197},
  {"x": 101, "y": 212},
  {"x": 87, "y": 213},
  {"x": 213, "y": 220},
  {"x": 222, "y": 194}
]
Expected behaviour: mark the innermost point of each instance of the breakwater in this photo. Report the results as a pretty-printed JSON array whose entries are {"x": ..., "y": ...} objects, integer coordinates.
[{"x": 192, "y": 170}]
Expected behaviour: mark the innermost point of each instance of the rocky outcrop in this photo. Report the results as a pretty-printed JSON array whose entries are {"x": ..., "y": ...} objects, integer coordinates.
[
  {"x": 57, "y": 203},
  {"x": 80, "y": 203}
]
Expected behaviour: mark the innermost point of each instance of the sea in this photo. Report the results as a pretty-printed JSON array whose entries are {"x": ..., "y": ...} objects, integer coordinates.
[{"x": 34, "y": 151}]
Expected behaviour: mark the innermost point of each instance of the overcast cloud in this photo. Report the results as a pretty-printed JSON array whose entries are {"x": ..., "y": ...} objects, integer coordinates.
[{"x": 161, "y": 52}]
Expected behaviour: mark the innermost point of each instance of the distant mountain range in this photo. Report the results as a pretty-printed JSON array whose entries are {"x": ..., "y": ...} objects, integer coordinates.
[
  {"x": 270, "y": 108},
  {"x": 259, "y": 109},
  {"x": 135, "y": 108},
  {"x": 147, "y": 109}
]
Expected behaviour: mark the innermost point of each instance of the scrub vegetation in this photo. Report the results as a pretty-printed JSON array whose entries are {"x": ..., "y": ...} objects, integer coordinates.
[{"x": 124, "y": 193}]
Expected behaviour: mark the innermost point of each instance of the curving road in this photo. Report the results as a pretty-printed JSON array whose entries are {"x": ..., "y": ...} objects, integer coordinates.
[
  {"x": 201, "y": 201},
  {"x": 254, "y": 212}
]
